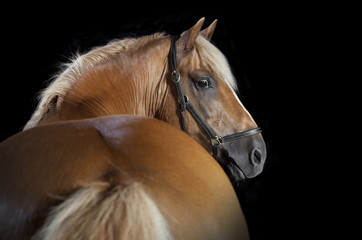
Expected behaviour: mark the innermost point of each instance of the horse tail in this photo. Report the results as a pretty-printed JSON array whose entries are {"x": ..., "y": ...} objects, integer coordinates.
[{"x": 103, "y": 211}]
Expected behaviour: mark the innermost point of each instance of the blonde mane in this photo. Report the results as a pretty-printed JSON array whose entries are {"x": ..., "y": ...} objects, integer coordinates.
[
  {"x": 81, "y": 64},
  {"x": 78, "y": 66}
]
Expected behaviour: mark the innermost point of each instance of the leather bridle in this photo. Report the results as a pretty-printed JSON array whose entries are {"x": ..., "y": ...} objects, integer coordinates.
[{"x": 185, "y": 104}]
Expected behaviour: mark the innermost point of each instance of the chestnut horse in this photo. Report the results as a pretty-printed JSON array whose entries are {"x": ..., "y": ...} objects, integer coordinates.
[
  {"x": 114, "y": 177},
  {"x": 132, "y": 76},
  {"x": 114, "y": 171}
]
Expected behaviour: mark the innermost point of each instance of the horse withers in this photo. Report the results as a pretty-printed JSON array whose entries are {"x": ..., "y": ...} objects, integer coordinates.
[{"x": 114, "y": 177}]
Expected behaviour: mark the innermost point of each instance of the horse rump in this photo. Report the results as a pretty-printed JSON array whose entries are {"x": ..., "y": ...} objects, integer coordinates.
[{"x": 101, "y": 210}]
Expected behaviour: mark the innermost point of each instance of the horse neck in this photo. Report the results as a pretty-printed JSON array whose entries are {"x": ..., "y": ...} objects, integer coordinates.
[{"x": 129, "y": 84}]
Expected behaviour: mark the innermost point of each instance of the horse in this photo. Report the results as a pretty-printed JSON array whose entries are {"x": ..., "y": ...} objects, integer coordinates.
[
  {"x": 114, "y": 177},
  {"x": 132, "y": 76},
  {"x": 184, "y": 81}
]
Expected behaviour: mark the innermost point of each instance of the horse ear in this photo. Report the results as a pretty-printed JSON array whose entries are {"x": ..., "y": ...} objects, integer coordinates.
[
  {"x": 187, "y": 38},
  {"x": 207, "y": 32}
]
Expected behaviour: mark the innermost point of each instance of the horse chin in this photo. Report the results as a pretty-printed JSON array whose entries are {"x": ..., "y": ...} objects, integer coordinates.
[
  {"x": 235, "y": 173},
  {"x": 232, "y": 169}
]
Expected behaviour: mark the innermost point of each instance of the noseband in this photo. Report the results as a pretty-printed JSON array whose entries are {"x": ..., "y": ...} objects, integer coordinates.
[{"x": 185, "y": 104}]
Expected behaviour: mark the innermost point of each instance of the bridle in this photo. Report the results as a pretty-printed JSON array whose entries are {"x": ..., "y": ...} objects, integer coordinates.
[{"x": 185, "y": 104}]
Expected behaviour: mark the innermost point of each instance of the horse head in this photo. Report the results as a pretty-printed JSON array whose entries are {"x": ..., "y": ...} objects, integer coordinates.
[{"x": 208, "y": 86}]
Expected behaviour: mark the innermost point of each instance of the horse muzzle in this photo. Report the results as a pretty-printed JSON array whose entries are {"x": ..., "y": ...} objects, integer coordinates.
[{"x": 243, "y": 158}]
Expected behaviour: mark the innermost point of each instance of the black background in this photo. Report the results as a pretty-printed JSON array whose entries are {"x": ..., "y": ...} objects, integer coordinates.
[{"x": 268, "y": 48}]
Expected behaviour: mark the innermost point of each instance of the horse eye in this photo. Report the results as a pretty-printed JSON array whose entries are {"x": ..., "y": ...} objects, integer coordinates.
[{"x": 203, "y": 84}]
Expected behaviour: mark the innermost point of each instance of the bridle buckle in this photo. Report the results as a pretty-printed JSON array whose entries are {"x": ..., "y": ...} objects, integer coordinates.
[
  {"x": 175, "y": 76},
  {"x": 216, "y": 141}
]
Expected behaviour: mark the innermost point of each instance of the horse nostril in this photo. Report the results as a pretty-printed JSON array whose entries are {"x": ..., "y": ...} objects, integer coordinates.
[{"x": 255, "y": 157}]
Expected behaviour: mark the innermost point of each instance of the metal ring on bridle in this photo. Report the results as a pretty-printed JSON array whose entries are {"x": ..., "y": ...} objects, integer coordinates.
[
  {"x": 216, "y": 141},
  {"x": 175, "y": 76}
]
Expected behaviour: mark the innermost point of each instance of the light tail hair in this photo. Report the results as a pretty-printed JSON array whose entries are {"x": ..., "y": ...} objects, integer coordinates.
[{"x": 101, "y": 211}]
